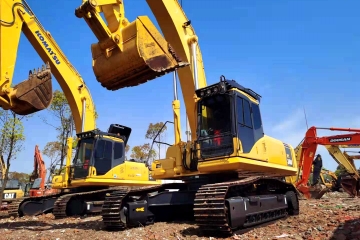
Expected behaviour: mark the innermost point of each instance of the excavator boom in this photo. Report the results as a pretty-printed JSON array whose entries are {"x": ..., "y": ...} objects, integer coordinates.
[
  {"x": 126, "y": 52},
  {"x": 35, "y": 93}
]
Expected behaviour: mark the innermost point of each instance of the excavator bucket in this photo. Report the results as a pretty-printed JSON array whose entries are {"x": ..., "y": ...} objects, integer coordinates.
[
  {"x": 350, "y": 185},
  {"x": 317, "y": 193},
  {"x": 33, "y": 94},
  {"x": 312, "y": 192},
  {"x": 146, "y": 55}
]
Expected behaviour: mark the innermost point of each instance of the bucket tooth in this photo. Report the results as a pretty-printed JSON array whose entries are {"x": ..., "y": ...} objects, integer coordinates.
[
  {"x": 33, "y": 94},
  {"x": 145, "y": 55}
]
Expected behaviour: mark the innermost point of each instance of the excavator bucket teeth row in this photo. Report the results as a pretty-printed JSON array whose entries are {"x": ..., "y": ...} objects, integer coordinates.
[
  {"x": 33, "y": 94},
  {"x": 145, "y": 56}
]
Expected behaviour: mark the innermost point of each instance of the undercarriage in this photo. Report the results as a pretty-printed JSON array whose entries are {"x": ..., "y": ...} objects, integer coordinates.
[
  {"x": 215, "y": 207},
  {"x": 78, "y": 202}
]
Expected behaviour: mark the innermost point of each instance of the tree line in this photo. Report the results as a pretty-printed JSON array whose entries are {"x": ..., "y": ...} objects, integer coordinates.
[{"x": 144, "y": 151}]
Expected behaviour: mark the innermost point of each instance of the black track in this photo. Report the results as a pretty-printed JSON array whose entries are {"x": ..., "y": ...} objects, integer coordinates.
[{"x": 210, "y": 211}]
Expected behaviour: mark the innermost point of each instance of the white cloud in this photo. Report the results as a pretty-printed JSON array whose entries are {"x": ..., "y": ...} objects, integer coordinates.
[
  {"x": 292, "y": 131},
  {"x": 290, "y": 122}
]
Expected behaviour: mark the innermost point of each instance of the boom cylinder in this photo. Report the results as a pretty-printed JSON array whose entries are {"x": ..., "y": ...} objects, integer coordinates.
[
  {"x": 193, "y": 51},
  {"x": 176, "y": 109},
  {"x": 83, "y": 115}
]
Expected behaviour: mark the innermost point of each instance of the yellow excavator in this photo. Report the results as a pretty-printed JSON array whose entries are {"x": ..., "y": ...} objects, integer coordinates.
[
  {"x": 12, "y": 189},
  {"x": 330, "y": 180},
  {"x": 233, "y": 174},
  {"x": 99, "y": 161}
]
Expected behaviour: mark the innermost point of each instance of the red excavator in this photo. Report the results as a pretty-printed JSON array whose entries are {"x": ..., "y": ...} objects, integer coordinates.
[
  {"x": 349, "y": 181},
  {"x": 38, "y": 176}
]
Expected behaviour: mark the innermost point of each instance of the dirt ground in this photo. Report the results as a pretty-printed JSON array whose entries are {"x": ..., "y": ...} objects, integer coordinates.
[{"x": 335, "y": 216}]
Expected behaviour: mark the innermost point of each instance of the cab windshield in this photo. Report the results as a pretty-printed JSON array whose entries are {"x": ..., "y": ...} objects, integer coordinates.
[
  {"x": 10, "y": 184},
  {"x": 36, "y": 183},
  {"x": 84, "y": 151},
  {"x": 215, "y": 115}
]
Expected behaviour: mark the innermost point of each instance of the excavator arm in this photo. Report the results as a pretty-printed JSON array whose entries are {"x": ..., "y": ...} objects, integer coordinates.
[
  {"x": 332, "y": 144},
  {"x": 140, "y": 51},
  {"x": 353, "y": 157},
  {"x": 39, "y": 168},
  {"x": 36, "y": 93},
  {"x": 342, "y": 159}
]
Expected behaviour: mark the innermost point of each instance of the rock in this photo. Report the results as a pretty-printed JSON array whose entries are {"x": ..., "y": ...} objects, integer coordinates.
[{"x": 320, "y": 228}]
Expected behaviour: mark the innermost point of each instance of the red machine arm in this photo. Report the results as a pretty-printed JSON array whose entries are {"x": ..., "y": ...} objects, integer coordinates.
[
  {"x": 310, "y": 144},
  {"x": 39, "y": 168}
]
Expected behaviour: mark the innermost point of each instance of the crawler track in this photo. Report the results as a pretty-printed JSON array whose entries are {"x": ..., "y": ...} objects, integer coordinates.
[
  {"x": 60, "y": 206},
  {"x": 210, "y": 210},
  {"x": 211, "y": 213},
  {"x": 13, "y": 208},
  {"x": 111, "y": 211}
]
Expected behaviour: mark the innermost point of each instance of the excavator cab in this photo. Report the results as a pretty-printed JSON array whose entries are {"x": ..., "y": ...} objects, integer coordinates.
[
  {"x": 217, "y": 122},
  {"x": 230, "y": 127},
  {"x": 127, "y": 54},
  {"x": 99, "y": 152}
]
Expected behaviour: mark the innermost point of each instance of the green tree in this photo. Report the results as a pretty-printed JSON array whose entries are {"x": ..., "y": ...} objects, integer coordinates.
[
  {"x": 152, "y": 130},
  {"x": 53, "y": 151},
  {"x": 141, "y": 152},
  {"x": 22, "y": 177},
  {"x": 11, "y": 140},
  {"x": 60, "y": 110},
  {"x": 340, "y": 170}
]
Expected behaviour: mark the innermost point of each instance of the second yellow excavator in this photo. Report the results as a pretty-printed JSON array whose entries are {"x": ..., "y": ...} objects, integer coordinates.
[
  {"x": 12, "y": 190},
  {"x": 100, "y": 157},
  {"x": 233, "y": 174}
]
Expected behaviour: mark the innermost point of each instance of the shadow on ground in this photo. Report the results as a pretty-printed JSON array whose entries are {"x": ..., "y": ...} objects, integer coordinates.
[
  {"x": 195, "y": 231},
  {"x": 350, "y": 229},
  {"x": 42, "y": 225}
]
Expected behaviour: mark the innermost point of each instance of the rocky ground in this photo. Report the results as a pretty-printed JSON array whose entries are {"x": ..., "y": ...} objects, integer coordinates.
[{"x": 335, "y": 216}]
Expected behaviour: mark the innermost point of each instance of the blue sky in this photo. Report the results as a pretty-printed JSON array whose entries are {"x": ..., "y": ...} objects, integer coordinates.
[{"x": 299, "y": 53}]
